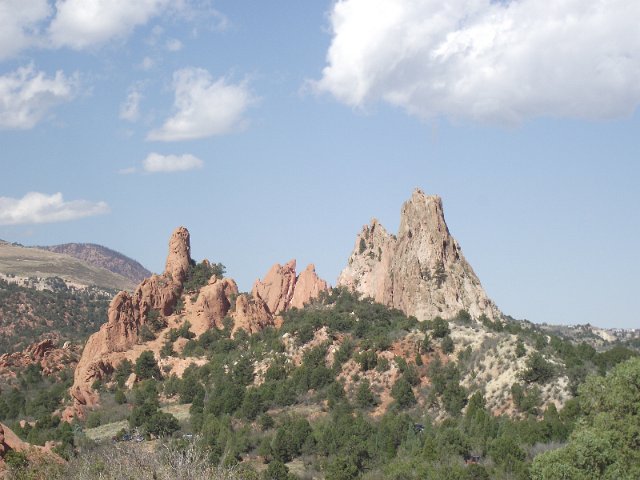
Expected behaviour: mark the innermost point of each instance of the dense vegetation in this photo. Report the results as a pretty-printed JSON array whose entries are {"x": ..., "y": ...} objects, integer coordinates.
[
  {"x": 28, "y": 315},
  {"x": 300, "y": 419}
]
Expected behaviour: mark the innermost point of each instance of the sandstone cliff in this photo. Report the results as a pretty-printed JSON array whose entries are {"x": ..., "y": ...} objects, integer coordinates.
[
  {"x": 421, "y": 271},
  {"x": 156, "y": 299},
  {"x": 282, "y": 289},
  {"x": 127, "y": 314}
]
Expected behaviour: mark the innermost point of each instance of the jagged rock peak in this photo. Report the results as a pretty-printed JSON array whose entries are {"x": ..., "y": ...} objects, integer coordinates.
[
  {"x": 282, "y": 288},
  {"x": 179, "y": 257},
  {"x": 421, "y": 271}
]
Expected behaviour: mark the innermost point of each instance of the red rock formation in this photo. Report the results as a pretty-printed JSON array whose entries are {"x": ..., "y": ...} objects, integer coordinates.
[
  {"x": 127, "y": 314},
  {"x": 118, "y": 339},
  {"x": 281, "y": 289},
  {"x": 308, "y": 286},
  {"x": 276, "y": 290},
  {"x": 251, "y": 314},
  {"x": 45, "y": 353},
  {"x": 213, "y": 304},
  {"x": 179, "y": 257},
  {"x": 10, "y": 441}
]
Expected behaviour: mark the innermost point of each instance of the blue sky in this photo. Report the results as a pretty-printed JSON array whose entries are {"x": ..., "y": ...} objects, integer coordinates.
[{"x": 275, "y": 130}]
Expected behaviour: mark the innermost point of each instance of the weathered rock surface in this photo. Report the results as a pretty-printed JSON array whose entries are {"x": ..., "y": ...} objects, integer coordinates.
[
  {"x": 421, "y": 271},
  {"x": 127, "y": 314},
  {"x": 213, "y": 303},
  {"x": 10, "y": 441},
  {"x": 276, "y": 290},
  {"x": 282, "y": 289},
  {"x": 46, "y": 354},
  {"x": 308, "y": 286},
  {"x": 206, "y": 308},
  {"x": 251, "y": 314}
]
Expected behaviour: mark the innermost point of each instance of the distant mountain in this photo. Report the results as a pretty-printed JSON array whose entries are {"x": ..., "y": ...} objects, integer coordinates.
[
  {"x": 103, "y": 257},
  {"x": 18, "y": 264}
]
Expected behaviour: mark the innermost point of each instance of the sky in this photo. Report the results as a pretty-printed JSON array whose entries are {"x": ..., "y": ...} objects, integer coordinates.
[{"x": 275, "y": 130}]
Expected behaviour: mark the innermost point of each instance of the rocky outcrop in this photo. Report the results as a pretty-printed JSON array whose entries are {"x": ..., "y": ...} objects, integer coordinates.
[
  {"x": 282, "y": 289},
  {"x": 179, "y": 257},
  {"x": 308, "y": 286},
  {"x": 276, "y": 290},
  {"x": 213, "y": 303},
  {"x": 421, "y": 271},
  {"x": 155, "y": 296},
  {"x": 251, "y": 314},
  {"x": 10, "y": 441},
  {"x": 51, "y": 358}
]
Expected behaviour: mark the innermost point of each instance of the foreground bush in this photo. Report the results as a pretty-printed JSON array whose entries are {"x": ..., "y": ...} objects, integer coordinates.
[{"x": 140, "y": 461}]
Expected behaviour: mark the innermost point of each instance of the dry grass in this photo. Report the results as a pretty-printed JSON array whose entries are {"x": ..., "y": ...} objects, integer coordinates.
[{"x": 143, "y": 461}]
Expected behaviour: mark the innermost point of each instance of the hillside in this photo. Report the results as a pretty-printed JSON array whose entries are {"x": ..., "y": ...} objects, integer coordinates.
[
  {"x": 60, "y": 313},
  {"x": 24, "y": 263},
  {"x": 103, "y": 257},
  {"x": 298, "y": 380}
]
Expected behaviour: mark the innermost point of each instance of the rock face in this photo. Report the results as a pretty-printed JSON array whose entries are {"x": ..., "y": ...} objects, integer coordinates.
[
  {"x": 10, "y": 441},
  {"x": 282, "y": 289},
  {"x": 51, "y": 358},
  {"x": 206, "y": 308},
  {"x": 128, "y": 313},
  {"x": 421, "y": 271},
  {"x": 251, "y": 314},
  {"x": 308, "y": 286}
]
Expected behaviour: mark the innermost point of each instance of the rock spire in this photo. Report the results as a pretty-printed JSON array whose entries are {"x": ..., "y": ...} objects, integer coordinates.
[{"x": 421, "y": 271}]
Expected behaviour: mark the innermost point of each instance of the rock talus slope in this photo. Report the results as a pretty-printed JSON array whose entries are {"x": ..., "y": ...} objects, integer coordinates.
[{"x": 422, "y": 271}]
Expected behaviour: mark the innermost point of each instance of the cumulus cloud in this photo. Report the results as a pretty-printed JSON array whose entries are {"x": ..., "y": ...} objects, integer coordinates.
[
  {"x": 487, "y": 60},
  {"x": 155, "y": 163},
  {"x": 203, "y": 107},
  {"x": 81, "y": 23},
  {"x": 27, "y": 95},
  {"x": 37, "y": 207},
  {"x": 19, "y": 24},
  {"x": 130, "y": 108}
]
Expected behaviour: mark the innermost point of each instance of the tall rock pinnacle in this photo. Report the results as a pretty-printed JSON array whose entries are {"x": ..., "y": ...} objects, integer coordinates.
[
  {"x": 127, "y": 314},
  {"x": 179, "y": 256},
  {"x": 421, "y": 272}
]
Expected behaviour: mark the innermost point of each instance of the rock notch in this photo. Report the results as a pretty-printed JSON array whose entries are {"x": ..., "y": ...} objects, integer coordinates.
[{"x": 421, "y": 271}]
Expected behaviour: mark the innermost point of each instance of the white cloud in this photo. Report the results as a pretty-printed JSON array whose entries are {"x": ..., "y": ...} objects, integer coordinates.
[
  {"x": 487, "y": 60},
  {"x": 82, "y": 23},
  {"x": 156, "y": 162},
  {"x": 26, "y": 95},
  {"x": 204, "y": 107},
  {"x": 127, "y": 171},
  {"x": 130, "y": 108},
  {"x": 174, "y": 45},
  {"x": 37, "y": 207},
  {"x": 19, "y": 24}
]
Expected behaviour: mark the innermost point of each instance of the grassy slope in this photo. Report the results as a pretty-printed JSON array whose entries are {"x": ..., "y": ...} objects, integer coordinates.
[{"x": 32, "y": 262}]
